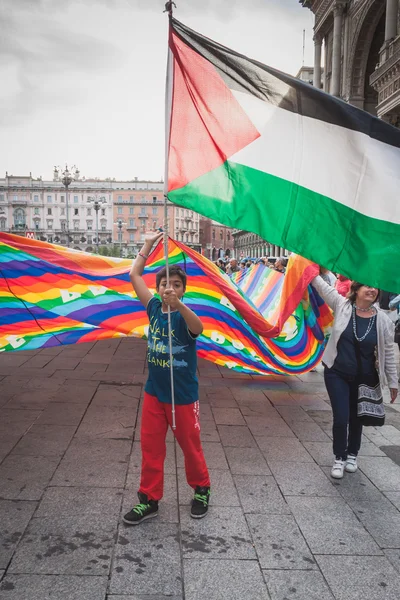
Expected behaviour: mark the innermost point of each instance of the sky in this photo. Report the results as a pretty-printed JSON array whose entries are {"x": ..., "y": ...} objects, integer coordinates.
[{"x": 83, "y": 80}]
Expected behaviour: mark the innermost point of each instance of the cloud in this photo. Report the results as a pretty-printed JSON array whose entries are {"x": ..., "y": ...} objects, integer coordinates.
[{"x": 36, "y": 51}]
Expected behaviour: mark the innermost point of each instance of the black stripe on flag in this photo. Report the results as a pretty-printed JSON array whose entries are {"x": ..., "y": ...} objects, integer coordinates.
[{"x": 270, "y": 85}]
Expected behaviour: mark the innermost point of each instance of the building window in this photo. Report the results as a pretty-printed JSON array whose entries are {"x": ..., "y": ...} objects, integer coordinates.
[
  {"x": 143, "y": 210},
  {"x": 89, "y": 212},
  {"x": 119, "y": 198},
  {"x": 103, "y": 211},
  {"x": 49, "y": 199},
  {"x": 49, "y": 224},
  {"x": 155, "y": 210},
  {"x": 1, "y": 197},
  {"x": 62, "y": 213},
  {"x": 131, "y": 222},
  {"x": 154, "y": 199},
  {"x": 142, "y": 237},
  {"x": 143, "y": 222},
  {"x": 35, "y": 198},
  {"x": 131, "y": 198},
  {"x": 36, "y": 223},
  {"x": 76, "y": 199},
  {"x": 19, "y": 217},
  {"x": 76, "y": 225},
  {"x": 131, "y": 210},
  {"x": 2, "y": 224},
  {"x": 63, "y": 225},
  {"x": 76, "y": 211},
  {"x": 221, "y": 235},
  {"x": 228, "y": 236},
  {"x": 120, "y": 210},
  {"x": 36, "y": 211},
  {"x": 89, "y": 225},
  {"x": 49, "y": 211},
  {"x": 62, "y": 198},
  {"x": 131, "y": 237},
  {"x": 213, "y": 234}
]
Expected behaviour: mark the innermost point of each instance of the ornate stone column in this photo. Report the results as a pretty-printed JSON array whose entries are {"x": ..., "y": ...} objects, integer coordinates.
[
  {"x": 392, "y": 8},
  {"x": 317, "y": 60},
  {"x": 337, "y": 48}
]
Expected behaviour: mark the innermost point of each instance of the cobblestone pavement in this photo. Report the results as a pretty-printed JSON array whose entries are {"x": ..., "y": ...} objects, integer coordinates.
[{"x": 278, "y": 526}]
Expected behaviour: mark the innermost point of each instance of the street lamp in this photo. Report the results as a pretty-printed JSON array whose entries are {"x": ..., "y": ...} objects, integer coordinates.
[
  {"x": 120, "y": 223},
  {"x": 68, "y": 176},
  {"x": 97, "y": 203}
]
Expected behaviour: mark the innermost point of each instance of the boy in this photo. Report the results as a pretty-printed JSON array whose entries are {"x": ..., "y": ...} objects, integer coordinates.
[{"x": 157, "y": 410}]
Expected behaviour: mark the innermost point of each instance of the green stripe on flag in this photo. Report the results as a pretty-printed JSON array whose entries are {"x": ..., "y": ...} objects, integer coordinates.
[{"x": 296, "y": 218}]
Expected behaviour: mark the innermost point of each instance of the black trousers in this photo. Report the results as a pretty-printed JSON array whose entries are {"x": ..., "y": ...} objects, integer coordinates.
[{"x": 343, "y": 392}]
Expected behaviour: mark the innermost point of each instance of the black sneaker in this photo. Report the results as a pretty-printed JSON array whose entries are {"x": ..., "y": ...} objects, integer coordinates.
[
  {"x": 142, "y": 511},
  {"x": 200, "y": 502}
]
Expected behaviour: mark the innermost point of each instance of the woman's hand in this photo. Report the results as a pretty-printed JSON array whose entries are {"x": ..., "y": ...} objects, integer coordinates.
[
  {"x": 393, "y": 395},
  {"x": 151, "y": 237}
]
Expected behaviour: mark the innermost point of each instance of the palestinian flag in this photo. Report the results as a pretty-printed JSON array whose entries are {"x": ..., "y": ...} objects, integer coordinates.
[{"x": 259, "y": 150}]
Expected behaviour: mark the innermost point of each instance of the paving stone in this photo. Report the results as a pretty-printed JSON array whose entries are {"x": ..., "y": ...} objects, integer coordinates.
[
  {"x": 236, "y": 435},
  {"x": 279, "y": 543},
  {"x": 301, "y": 479},
  {"x": 256, "y": 409},
  {"x": 222, "y": 403},
  {"x": 108, "y": 422},
  {"x": 147, "y": 560},
  {"x": 7, "y": 443},
  {"x": 223, "y": 580},
  {"x": 14, "y": 517},
  {"x": 246, "y": 462},
  {"x": 205, "y": 412},
  {"x": 282, "y": 398},
  {"x": 294, "y": 414},
  {"x": 321, "y": 452},
  {"x": 297, "y": 585},
  {"x": 260, "y": 494},
  {"x": 117, "y": 395},
  {"x": 75, "y": 392},
  {"x": 330, "y": 527},
  {"x": 208, "y": 431},
  {"x": 214, "y": 455},
  {"x": 369, "y": 449},
  {"x": 33, "y": 399},
  {"x": 223, "y": 534},
  {"x": 44, "y": 440},
  {"x": 381, "y": 519},
  {"x": 383, "y": 472},
  {"x": 283, "y": 449},
  {"x": 58, "y": 546},
  {"x": 356, "y": 577},
  {"x": 355, "y": 486},
  {"x": 394, "y": 498},
  {"x": 247, "y": 396},
  {"x": 265, "y": 426},
  {"x": 309, "y": 432},
  {"x": 143, "y": 597},
  {"x": 25, "y": 477},
  {"x": 394, "y": 557},
  {"x": 228, "y": 416},
  {"x": 62, "y": 414},
  {"x": 223, "y": 491},
  {"x": 96, "y": 463},
  {"x": 17, "y": 422},
  {"x": 52, "y": 587}
]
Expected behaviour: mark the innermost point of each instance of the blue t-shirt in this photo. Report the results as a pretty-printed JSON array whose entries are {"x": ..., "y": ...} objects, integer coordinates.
[
  {"x": 186, "y": 385},
  {"x": 346, "y": 359}
]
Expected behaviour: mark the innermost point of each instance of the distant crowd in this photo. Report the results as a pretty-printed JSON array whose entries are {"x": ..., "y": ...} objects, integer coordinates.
[{"x": 232, "y": 265}]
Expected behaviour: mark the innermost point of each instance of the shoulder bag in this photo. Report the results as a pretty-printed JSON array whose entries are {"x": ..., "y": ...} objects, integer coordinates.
[{"x": 370, "y": 408}]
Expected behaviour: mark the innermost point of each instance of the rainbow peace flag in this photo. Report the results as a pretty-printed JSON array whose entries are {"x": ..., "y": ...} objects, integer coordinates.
[{"x": 262, "y": 323}]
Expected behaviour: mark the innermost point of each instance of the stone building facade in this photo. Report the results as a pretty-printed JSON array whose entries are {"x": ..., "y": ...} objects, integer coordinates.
[
  {"x": 39, "y": 208},
  {"x": 216, "y": 240},
  {"x": 361, "y": 40},
  {"x": 251, "y": 245}
]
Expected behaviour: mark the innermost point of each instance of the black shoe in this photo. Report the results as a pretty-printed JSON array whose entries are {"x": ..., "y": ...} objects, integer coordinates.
[
  {"x": 200, "y": 502},
  {"x": 142, "y": 511}
]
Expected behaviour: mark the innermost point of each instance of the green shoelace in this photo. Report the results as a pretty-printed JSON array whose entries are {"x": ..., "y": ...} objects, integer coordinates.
[
  {"x": 202, "y": 498},
  {"x": 141, "y": 508}
]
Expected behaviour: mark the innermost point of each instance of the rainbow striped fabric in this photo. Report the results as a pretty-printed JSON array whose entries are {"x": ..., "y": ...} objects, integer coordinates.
[{"x": 262, "y": 323}]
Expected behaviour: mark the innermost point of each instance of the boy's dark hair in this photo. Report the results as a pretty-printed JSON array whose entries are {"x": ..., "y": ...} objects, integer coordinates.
[{"x": 174, "y": 270}]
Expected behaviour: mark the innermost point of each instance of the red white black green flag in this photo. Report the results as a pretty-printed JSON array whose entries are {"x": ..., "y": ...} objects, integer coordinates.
[{"x": 259, "y": 150}]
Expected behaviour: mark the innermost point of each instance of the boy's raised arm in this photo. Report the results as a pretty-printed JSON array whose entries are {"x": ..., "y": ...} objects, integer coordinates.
[{"x": 136, "y": 272}]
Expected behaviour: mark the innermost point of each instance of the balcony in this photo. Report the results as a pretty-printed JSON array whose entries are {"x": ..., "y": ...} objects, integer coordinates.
[
  {"x": 131, "y": 227},
  {"x": 386, "y": 81}
]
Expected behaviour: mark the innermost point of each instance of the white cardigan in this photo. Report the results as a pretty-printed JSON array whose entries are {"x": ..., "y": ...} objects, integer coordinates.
[{"x": 342, "y": 309}]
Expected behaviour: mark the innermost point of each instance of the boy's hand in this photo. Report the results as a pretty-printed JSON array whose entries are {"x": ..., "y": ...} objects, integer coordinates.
[
  {"x": 152, "y": 237},
  {"x": 171, "y": 299}
]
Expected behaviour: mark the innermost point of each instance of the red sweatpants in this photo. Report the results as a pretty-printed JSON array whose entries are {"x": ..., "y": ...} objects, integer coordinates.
[{"x": 156, "y": 416}]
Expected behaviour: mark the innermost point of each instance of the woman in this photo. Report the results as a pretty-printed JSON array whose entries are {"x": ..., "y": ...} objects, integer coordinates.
[
  {"x": 357, "y": 320},
  {"x": 393, "y": 305}
]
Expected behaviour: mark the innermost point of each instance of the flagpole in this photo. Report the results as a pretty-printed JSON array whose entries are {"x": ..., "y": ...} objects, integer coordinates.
[{"x": 168, "y": 91}]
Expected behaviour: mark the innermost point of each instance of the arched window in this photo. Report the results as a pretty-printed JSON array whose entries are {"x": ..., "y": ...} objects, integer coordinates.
[
  {"x": 2, "y": 224},
  {"x": 19, "y": 217}
]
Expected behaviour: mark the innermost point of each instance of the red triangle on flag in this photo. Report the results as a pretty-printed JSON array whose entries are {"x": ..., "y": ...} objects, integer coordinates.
[{"x": 207, "y": 125}]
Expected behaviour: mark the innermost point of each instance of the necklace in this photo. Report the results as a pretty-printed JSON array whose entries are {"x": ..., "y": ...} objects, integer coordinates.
[
  {"x": 363, "y": 309},
  {"x": 370, "y": 325}
]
